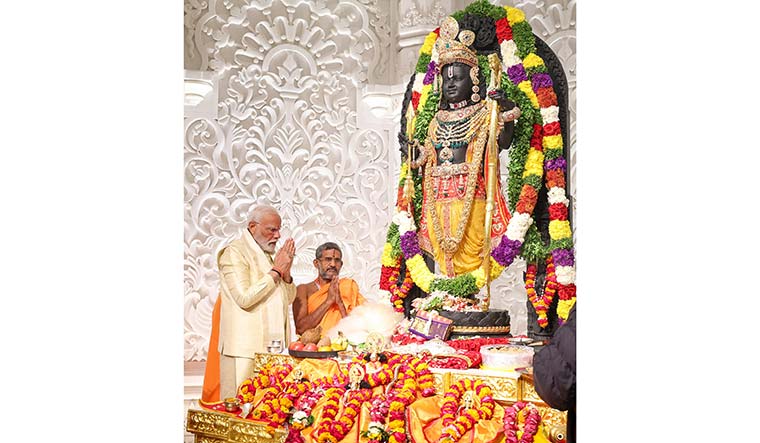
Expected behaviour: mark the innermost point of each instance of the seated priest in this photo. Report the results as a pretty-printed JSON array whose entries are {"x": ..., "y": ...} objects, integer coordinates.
[{"x": 327, "y": 299}]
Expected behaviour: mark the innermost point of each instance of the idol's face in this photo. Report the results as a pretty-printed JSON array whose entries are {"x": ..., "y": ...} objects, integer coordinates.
[{"x": 457, "y": 84}]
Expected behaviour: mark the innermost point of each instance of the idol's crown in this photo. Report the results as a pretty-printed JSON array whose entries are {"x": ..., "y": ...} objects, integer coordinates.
[{"x": 452, "y": 49}]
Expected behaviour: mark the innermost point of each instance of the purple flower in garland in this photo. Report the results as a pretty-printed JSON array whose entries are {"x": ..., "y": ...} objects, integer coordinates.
[
  {"x": 516, "y": 73},
  {"x": 505, "y": 253},
  {"x": 430, "y": 75},
  {"x": 409, "y": 244},
  {"x": 557, "y": 163},
  {"x": 563, "y": 257},
  {"x": 541, "y": 80}
]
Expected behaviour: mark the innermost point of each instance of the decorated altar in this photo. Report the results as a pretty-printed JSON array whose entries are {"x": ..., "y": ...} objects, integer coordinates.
[{"x": 508, "y": 388}]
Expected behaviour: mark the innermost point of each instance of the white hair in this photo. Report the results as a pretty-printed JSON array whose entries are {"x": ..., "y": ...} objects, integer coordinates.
[{"x": 262, "y": 210}]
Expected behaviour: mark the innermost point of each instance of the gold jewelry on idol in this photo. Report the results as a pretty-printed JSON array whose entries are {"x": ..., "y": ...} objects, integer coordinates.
[
  {"x": 474, "y": 123},
  {"x": 512, "y": 114},
  {"x": 474, "y": 71},
  {"x": 454, "y": 47},
  {"x": 421, "y": 158},
  {"x": 450, "y": 49}
]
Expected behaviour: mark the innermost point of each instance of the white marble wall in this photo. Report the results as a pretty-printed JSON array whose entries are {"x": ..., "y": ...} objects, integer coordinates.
[{"x": 296, "y": 103}]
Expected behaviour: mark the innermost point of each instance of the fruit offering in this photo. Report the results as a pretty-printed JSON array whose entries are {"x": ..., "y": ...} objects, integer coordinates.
[
  {"x": 296, "y": 346},
  {"x": 340, "y": 343},
  {"x": 311, "y": 335}
]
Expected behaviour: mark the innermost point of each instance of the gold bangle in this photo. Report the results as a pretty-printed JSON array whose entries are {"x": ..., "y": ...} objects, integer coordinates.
[{"x": 512, "y": 114}]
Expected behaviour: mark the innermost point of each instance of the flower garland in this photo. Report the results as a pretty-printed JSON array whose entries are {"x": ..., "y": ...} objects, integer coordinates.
[
  {"x": 378, "y": 412},
  {"x": 517, "y": 414},
  {"x": 455, "y": 424},
  {"x": 343, "y": 423},
  {"x": 302, "y": 417},
  {"x": 541, "y": 303},
  {"x": 527, "y": 74},
  {"x": 398, "y": 402},
  {"x": 268, "y": 376},
  {"x": 413, "y": 376},
  {"x": 269, "y": 407},
  {"x": 389, "y": 278},
  {"x": 391, "y": 263},
  {"x": 275, "y": 410},
  {"x": 329, "y": 412},
  {"x": 292, "y": 401}
]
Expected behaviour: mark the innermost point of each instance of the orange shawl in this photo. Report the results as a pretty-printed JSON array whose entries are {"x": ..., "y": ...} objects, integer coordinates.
[
  {"x": 349, "y": 292},
  {"x": 210, "y": 392}
]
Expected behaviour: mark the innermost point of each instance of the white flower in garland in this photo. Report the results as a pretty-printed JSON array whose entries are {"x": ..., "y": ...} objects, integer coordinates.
[
  {"x": 518, "y": 225},
  {"x": 565, "y": 274},
  {"x": 300, "y": 416},
  {"x": 509, "y": 52},
  {"x": 404, "y": 222},
  {"x": 557, "y": 195},
  {"x": 550, "y": 114},
  {"x": 418, "y": 78}
]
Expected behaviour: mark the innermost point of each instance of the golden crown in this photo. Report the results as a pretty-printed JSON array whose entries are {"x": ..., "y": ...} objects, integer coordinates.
[{"x": 452, "y": 49}]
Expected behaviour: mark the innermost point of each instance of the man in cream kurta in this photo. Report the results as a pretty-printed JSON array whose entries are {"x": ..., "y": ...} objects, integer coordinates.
[{"x": 256, "y": 290}]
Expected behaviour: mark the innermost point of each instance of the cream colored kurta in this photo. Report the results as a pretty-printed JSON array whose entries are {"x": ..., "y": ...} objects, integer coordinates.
[{"x": 254, "y": 309}]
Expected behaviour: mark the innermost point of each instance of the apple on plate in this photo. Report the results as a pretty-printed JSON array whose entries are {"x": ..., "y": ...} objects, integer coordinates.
[
  {"x": 296, "y": 346},
  {"x": 310, "y": 347}
]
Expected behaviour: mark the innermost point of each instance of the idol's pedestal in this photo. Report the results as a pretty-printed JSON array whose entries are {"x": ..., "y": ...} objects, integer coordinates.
[{"x": 508, "y": 387}]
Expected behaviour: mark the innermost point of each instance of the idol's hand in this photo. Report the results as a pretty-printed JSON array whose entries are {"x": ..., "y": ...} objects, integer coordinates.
[
  {"x": 403, "y": 144},
  {"x": 501, "y": 98}
]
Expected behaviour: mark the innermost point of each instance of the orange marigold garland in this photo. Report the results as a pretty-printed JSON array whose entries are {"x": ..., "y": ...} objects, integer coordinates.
[
  {"x": 345, "y": 421},
  {"x": 276, "y": 408},
  {"x": 457, "y": 419},
  {"x": 268, "y": 376},
  {"x": 329, "y": 412},
  {"x": 302, "y": 417},
  {"x": 387, "y": 420},
  {"x": 406, "y": 376}
]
